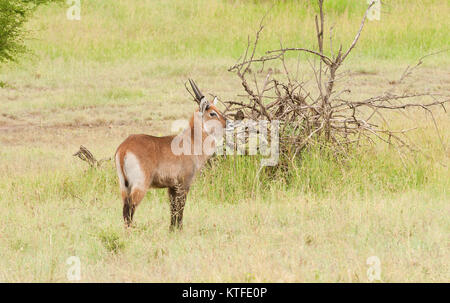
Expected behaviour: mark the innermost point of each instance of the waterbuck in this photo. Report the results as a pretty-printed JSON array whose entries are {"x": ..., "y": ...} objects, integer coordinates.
[{"x": 145, "y": 161}]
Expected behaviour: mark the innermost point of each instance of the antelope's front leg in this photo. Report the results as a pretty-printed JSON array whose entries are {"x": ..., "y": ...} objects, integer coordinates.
[{"x": 177, "y": 201}]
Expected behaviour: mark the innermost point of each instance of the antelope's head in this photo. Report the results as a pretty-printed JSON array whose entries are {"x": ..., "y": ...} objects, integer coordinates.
[{"x": 213, "y": 121}]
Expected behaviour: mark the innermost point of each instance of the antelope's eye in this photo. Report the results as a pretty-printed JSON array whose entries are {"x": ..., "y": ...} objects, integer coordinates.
[{"x": 212, "y": 114}]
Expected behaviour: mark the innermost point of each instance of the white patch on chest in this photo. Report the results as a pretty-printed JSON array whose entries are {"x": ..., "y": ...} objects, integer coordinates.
[{"x": 133, "y": 171}]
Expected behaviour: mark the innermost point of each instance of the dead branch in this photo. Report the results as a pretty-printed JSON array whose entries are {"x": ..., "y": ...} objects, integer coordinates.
[
  {"x": 310, "y": 117},
  {"x": 84, "y": 154}
]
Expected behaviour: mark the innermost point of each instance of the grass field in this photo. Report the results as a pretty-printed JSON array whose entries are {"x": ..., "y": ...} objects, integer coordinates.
[{"x": 121, "y": 70}]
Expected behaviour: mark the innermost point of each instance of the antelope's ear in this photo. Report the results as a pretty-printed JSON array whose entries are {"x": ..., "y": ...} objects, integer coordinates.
[
  {"x": 215, "y": 101},
  {"x": 204, "y": 104}
]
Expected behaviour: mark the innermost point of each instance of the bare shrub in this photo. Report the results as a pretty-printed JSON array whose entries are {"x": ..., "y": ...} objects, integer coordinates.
[{"x": 323, "y": 116}]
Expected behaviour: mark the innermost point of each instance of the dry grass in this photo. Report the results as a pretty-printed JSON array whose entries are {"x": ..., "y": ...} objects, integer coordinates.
[
  {"x": 321, "y": 227},
  {"x": 53, "y": 207},
  {"x": 279, "y": 240}
]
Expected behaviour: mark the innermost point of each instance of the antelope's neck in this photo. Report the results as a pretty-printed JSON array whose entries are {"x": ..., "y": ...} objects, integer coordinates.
[{"x": 198, "y": 135}]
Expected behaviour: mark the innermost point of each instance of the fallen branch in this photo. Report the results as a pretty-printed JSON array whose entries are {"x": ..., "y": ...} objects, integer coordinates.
[{"x": 85, "y": 155}]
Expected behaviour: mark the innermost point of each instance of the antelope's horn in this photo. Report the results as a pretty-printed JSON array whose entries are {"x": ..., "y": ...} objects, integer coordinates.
[{"x": 197, "y": 92}]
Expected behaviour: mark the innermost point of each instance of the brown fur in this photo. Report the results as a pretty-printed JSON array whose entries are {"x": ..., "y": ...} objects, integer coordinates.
[{"x": 163, "y": 169}]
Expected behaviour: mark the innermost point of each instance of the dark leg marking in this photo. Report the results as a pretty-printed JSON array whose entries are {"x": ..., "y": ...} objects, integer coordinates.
[{"x": 177, "y": 196}]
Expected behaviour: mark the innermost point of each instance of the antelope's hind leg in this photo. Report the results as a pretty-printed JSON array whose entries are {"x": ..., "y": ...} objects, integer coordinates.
[
  {"x": 130, "y": 203},
  {"x": 177, "y": 197}
]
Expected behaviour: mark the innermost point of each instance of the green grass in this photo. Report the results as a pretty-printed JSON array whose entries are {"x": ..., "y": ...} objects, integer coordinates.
[
  {"x": 121, "y": 69},
  {"x": 320, "y": 174},
  {"x": 322, "y": 227},
  {"x": 117, "y": 31}
]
